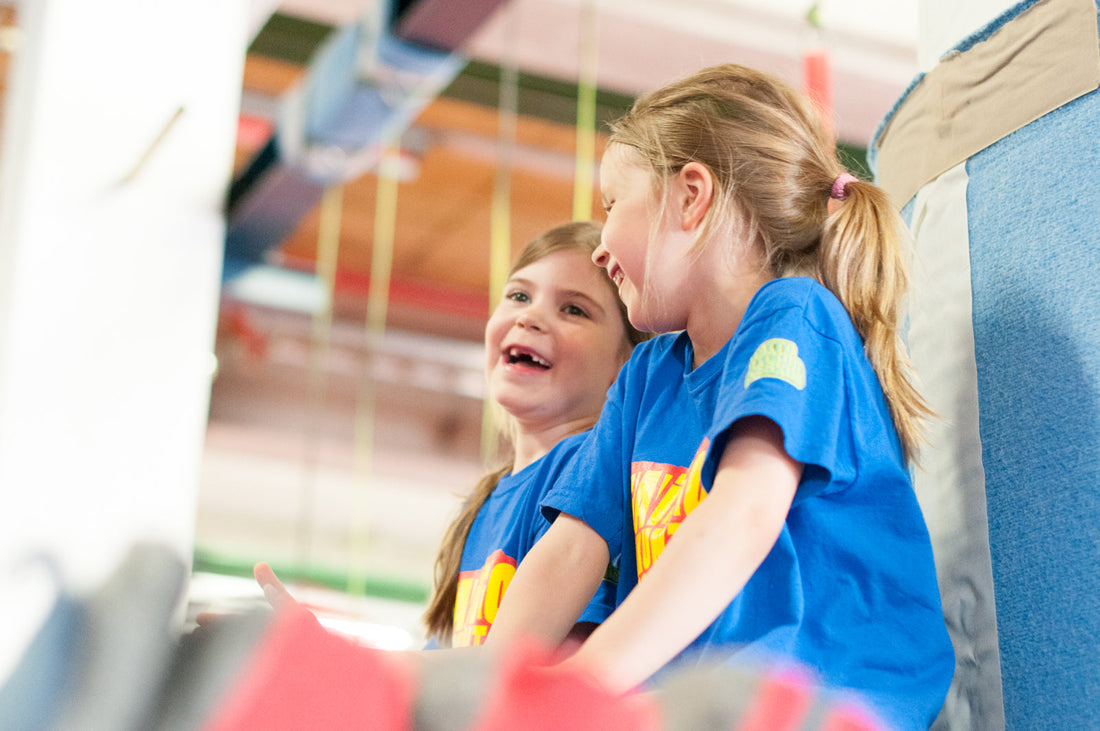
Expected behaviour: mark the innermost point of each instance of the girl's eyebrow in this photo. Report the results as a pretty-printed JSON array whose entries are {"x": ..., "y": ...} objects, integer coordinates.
[{"x": 577, "y": 294}]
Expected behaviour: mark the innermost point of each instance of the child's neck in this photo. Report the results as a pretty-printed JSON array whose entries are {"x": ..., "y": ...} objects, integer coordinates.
[
  {"x": 716, "y": 316},
  {"x": 532, "y": 441}
]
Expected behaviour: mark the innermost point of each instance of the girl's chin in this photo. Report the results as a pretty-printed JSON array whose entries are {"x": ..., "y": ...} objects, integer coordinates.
[
  {"x": 538, "y": 413},
  {"x": 645, "y": 319},
  {"x": 642, "y": 322},
  {"x": 517, "y": 400}
]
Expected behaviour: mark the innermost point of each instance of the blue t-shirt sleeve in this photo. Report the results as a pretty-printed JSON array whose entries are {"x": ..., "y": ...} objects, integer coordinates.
[
  {"x": 591, "y": 487},
  {"x": 790, "y": 369}
]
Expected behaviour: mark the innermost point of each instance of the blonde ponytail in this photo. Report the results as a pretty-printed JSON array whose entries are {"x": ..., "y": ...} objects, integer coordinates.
[{"x": 862, "y": 259}]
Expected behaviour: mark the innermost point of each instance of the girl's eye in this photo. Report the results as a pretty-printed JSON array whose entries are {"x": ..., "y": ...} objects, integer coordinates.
[
  {"x": 517, "y": 295},
  {"x": 574, "y": 310}
]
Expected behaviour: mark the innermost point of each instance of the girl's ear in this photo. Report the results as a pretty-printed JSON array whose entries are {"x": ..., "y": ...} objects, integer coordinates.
[{"x": 696, "y": 188}]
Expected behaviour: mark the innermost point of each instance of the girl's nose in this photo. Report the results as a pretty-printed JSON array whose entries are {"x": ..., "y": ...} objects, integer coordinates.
[
  {"x": 600, "y": 257},
  {"x": 529, "y": 320}
]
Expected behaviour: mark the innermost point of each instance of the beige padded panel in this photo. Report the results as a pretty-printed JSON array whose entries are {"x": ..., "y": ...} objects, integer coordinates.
[
  {"x": 1045, "y": 57},
  {"x": 950, "y": 484}
]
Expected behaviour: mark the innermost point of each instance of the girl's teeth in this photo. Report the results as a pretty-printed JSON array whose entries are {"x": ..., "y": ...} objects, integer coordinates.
[{"x": 515, "y": 354}]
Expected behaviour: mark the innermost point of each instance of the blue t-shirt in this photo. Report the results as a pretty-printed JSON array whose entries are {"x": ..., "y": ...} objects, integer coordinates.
[
  {"x": 849, "y": 588},
  {"x": 504, "y": 530}
]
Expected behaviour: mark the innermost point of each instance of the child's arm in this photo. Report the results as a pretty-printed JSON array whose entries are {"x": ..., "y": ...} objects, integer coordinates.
[
  {"x": 553, "y": 584},
  {"x": 703, "y": 568}
]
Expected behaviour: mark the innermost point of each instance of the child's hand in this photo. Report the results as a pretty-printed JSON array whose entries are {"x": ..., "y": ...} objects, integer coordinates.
[{"x": 276, "y": 594}]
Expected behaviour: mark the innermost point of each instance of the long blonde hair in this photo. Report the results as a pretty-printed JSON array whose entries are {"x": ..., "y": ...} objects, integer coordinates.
[
  {"x": 581, "y": 236},
  {"x": 774, "y": 165}
]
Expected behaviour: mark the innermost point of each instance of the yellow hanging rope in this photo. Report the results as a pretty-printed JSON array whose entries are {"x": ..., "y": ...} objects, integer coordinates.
[
  {"x": 328, "y": 249},
  {"x": 385, "y": 233},
  {"x": 500, "y": 217},
  {"x": 385, "y": 227},
  {"x": 583, "y": 178},
  {"x": 500, "y": 223}
]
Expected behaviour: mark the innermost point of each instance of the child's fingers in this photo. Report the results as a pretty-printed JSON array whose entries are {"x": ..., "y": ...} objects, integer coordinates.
[
  {"x": 274, "y": 591},
  {"x": 203, "y": 619}
]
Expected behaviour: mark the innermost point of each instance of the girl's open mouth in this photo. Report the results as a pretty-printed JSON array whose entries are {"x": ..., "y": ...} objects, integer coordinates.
[
  {"x": 616, "y": 275},
  {"x": 515, "y": 355}
]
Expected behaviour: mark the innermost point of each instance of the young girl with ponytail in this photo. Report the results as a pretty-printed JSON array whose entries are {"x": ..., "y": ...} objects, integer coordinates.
[{"x": 752, "y": 464}]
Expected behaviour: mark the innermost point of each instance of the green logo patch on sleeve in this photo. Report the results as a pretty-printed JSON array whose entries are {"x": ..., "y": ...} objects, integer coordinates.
[{"x": 777, "y": 358}]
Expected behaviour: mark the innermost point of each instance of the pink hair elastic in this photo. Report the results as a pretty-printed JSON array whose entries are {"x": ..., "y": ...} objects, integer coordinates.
[{"x": 840, "y": 185}]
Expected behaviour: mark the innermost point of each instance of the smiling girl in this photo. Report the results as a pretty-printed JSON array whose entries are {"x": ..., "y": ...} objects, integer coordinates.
[{"x": 553, "y": 346}]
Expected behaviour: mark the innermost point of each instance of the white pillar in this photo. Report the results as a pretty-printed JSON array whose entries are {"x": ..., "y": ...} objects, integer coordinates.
[
  {"x": 943, "y": 23},
  {"x": 118, "y": 135}
]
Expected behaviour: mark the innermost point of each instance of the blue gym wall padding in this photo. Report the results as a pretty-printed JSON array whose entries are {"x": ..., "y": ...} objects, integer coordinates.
[
  {"x": 1034, "y": 210},
  {"x": 1031, "y": 232}
]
